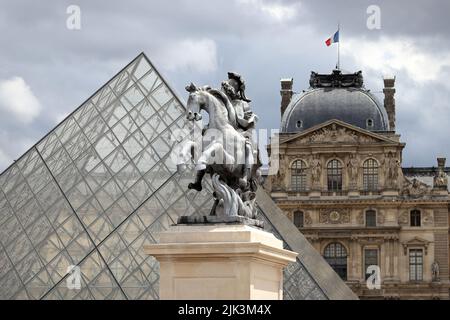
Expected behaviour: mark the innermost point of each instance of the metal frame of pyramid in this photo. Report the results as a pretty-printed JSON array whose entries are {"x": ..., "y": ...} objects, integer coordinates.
[{"x": 97, "y": 188}]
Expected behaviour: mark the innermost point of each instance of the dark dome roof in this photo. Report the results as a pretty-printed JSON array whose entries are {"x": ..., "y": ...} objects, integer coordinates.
[{"x": 352, "y": 104}]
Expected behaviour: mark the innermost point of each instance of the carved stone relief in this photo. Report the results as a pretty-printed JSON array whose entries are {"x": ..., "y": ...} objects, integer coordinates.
[
  {"x": 415, "y": 188},
  {"x": 360, "y": 218},
  {"x": 380, "y": 217},
  {"x": 403, "y": 218},
  {"x": 415, "y": 242},
  {"x": 333, "y": 216},
  {"x": 427, "y": 218},
  {"x": 352, "y": 167},
  {"x": 316, "y": 170},
  {"x": 391, "y": 167},
  {"x": 308, "y": 220},
  {"x": 335, "y": 134},
  {"x": 290, "y": 215},
  {"x": 278, "y": 180}
]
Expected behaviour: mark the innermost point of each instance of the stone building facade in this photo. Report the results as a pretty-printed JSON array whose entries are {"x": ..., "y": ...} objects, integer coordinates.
[{"x": 341, "y": 183}]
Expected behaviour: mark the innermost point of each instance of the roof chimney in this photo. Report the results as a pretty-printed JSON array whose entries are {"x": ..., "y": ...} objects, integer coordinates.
[
  {"x": 389, "y": 100},
  {"x": 286, "y": 93}
]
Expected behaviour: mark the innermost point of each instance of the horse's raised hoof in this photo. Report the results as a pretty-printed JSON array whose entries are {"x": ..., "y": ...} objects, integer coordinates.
[{"x": 195, "y": 186}]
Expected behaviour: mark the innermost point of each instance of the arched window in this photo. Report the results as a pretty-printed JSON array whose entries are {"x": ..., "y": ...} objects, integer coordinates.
[
  {"x": 415, "y": 218},
  {"x": 370, "y": 175},
  {"x": 371, "y": 218},
  {"x": 298, "y": 175},
  {"x": 334, "y": 175},
  {"x": 298, "y": 219},
  {"x": 336, "y": 256}
]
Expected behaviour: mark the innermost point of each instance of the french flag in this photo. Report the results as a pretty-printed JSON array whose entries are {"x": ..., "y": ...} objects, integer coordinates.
[{"x": 333, "y": 39}]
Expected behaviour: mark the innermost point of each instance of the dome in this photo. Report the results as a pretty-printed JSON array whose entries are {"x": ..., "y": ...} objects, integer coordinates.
[{"x": 335, "y": 96}]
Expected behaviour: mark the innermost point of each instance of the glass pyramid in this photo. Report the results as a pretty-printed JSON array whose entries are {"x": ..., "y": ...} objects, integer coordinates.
[{"x": 97, "y": 188}]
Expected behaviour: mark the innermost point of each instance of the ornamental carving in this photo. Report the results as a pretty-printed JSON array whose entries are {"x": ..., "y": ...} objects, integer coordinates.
[
  {"x": 334, "y": 217},
  {"x": 308, "y": 220},
  {"x": 335, "y": 134},
  {"x": 360, "y": 218},
  {"x": 427, "y": 218},
  {"x": 289, "y": 215},
  {"x": 278, "y": 180},
  {"x": 415, "y": 188},
  {"x": 380, "y": 217},
  {"x": 403, "y": 218},
  {"x": 352, "y": 167},
  {"x": 415, "y": 242},
  {"x": 392, "y": 167},
  {"x": 336, "y": 79},
  {"x": 316, "y": 169}
]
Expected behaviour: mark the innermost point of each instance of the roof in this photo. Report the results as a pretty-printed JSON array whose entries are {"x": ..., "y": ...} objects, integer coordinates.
[{"x": 335, "y": 96}]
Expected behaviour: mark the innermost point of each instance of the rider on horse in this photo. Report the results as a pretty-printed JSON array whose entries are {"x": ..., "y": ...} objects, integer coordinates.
[{"x": 234, "y": 89}]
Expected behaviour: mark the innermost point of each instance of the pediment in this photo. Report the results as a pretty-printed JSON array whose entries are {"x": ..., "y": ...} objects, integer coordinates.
[
  {"x": 335, "y": 132},
  {"x": 415, "y": 242}
]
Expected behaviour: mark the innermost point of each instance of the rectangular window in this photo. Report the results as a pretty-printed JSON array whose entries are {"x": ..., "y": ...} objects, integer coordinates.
[
  {"x": 298, "y": 182},
  {"x": 298, "y": 176},
  {"x": 415, "y": 265},
  {"x": 371, "y": 218},
  {"x": 298, "y": 219},
  {"x": 415, "y": 218},
  {"x": 370, "y": 259}
]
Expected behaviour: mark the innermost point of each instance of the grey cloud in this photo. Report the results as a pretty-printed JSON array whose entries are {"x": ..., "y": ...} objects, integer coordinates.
[{"x": 65, "y": 67}]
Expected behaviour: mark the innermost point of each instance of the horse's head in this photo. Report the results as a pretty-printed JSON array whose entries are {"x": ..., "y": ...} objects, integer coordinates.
[{"x": 196, "y": 102}]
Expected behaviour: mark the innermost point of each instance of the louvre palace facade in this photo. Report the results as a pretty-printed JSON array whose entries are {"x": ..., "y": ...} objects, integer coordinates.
[{"x": 341, "y": 183}]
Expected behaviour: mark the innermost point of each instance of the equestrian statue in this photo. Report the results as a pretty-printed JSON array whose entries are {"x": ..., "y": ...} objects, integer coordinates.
[{"x": 228, "y": 152}]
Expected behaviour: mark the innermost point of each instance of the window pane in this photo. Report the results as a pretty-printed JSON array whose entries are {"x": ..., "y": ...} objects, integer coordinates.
[
  {"x": 370, "y": 175},
  {"x": 298, "y": 176},
  {"x": 336, "y": 256},
  {"x": 371, "y": 218},
  {"x": 415, "y": 264},
  {"x": 298, "y": 219},
  {"x": 334, "y": 174},
  {"x": 415, "y": 218}
]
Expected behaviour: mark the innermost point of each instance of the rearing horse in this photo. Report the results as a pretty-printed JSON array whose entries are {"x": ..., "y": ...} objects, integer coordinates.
[
  {"x": 223, "y": 147},
  {"x": 226, "y": 153}
]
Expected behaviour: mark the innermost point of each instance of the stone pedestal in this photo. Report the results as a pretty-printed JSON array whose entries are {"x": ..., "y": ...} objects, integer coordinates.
[{"x": 220, "y": 261}]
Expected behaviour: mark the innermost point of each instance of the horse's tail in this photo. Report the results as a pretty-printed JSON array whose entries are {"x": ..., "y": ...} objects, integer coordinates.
[{"x": 224, "y": 99}]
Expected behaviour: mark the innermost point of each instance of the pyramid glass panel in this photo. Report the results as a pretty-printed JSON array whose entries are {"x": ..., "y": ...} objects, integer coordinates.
[{"x": 96, "y": 189}]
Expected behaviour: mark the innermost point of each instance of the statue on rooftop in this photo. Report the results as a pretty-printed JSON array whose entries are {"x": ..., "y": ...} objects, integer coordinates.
[{"x": 440, "y": 180}]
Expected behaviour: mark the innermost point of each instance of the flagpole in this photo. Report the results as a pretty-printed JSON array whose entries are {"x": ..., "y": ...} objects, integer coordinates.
[{"x": 339, "y": 43}]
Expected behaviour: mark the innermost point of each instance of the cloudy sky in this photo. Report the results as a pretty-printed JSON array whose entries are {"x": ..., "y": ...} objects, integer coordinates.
[{"x": 47, "y": 70}]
